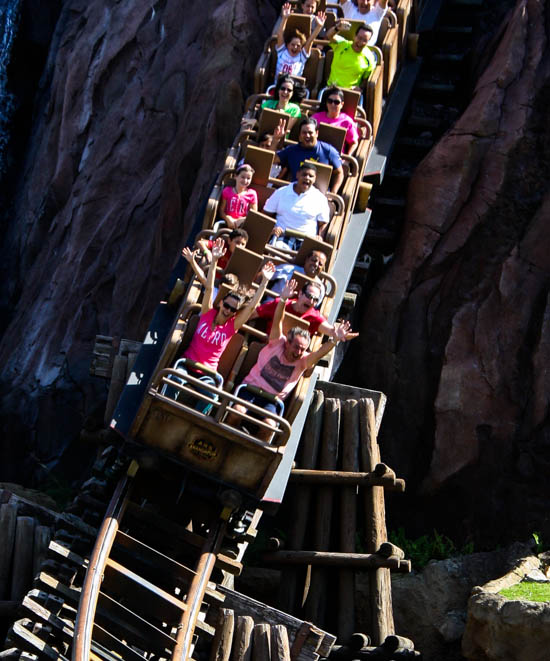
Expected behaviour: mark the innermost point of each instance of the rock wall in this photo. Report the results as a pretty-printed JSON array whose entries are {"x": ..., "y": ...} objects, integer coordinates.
[
  {"x": 457, "y": 332},
  {"x": 137, "y": 104}
]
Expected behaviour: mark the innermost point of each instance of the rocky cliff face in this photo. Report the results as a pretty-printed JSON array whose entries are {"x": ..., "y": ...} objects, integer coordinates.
[
  {"x": 457, "y": 332},
  {"x": 137, "y": 104}
]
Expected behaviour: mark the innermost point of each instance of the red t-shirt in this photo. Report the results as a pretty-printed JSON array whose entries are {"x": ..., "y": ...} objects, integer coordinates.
[{"x": 267, "y": 311}]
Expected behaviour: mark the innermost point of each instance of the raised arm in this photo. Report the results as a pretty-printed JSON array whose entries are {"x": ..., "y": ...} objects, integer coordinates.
[
  {"x": 319, "y": 23},
  {"x": 218, "y": 250},
  {"x": 341, "y": 24},
  {"x": 277, "y": 326},
  {"x": 328, "y": 329},
  {"x": 189, "y": 255},
  {"x": 243, "y": 316},
  {"x": 285, "y": 13},
  {"x": 340, "y": 335}
]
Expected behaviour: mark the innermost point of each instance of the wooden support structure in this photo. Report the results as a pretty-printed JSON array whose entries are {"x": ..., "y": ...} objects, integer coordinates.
[{"x": 339, "y": 482}]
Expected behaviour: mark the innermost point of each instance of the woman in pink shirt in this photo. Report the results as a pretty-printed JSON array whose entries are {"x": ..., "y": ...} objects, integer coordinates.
[
  {"x": 217, "y": 326},
  {"x": 330, "y": 112}
]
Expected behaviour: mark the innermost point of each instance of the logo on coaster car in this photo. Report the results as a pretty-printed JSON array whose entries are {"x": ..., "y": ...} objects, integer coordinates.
[{"x": 203, "y": 449}]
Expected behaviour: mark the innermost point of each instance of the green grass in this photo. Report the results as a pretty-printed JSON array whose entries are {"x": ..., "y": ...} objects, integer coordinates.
[{"x": 527, "y": 592}]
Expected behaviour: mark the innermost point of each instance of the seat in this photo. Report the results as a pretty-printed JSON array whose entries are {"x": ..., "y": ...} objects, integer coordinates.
[
  {"x": 262, "y": 161},
  {"x": 309, "y": 244},
  {"x": 245, "y": 264},
  {"x": 259, "y": 228},
  {"x": 187, "y": 367},
  {"x": 324, "y": 174},
  {"x": 389, "y": 44},
  {"x": 334, "y": 135}
]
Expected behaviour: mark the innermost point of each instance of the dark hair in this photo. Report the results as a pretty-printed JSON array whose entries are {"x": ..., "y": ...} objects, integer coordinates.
[
  {"x": 230, "y": 279},
  {"x": 236, "y": 233},
  {"x": 314, "y": 250},
  {"x": 310, "y": 284},
  {"x": 306, "y": 121},
  {"x": 296, "y": 330},
  {"x": 289, "y": 36},
  {"x": 283, "y": 78},
  {"x": 366, "y": 27},
  {"x": 236, "y": 295},
  {"x": 244, "y": 167},
  {"x": 328, "y": 92},
  {"x": 264, "y": 136},
  {"x": 301, "y": 4},
  {"x": 307, "y": 166}
]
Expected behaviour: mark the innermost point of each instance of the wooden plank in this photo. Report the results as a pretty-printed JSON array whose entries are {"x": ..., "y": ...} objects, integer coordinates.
[
  {"x": 332, "y": 559},
  {"x": 348, "y": 519},
  {"x": 8, "y": 520},
  {"x": 22, "y": 557},
  {"x": 261, "y": 651},
  {"x": 316, "y": 599},
  {"x": 316, "y": 640},
  {"x": 343, "y": 478},
  {"x": 42, "y": 536},
  {"x": 380, "y": 600},
  {"x": 280, "y": 647},
  {"x": 223, "y": 638},
  {"x": 309, "y": 450},
  {"x": 32, "y": 642},
  {"x": 242, "y": 639}
]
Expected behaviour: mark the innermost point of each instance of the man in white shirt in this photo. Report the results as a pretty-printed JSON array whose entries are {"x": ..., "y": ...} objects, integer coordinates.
[
  {"x": 370, "y": 12},
  {"x": 299, "y": 207}
]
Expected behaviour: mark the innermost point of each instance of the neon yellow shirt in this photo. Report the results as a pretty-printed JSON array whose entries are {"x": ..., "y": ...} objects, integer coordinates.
[{"x": 348, "y": 67}]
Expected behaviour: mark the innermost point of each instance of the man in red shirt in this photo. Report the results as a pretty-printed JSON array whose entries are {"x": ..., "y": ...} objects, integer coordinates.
[{"x": 302, "y": 306}]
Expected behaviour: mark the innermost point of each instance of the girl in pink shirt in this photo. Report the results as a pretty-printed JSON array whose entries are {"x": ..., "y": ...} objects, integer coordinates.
[
  {"x": 217, "y": 326},
  {"x": 238, "y": 199}
]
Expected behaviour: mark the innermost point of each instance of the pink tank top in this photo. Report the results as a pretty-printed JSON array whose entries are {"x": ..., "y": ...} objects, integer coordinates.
[{"x": 207, "y": 345}]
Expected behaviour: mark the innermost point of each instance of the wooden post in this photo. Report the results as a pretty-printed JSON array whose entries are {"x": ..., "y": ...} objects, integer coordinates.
[
  {"x": 242, "y": 639},
  {"x": 308, "y": 459},
  {"x": 280, "y": 648},
  {"x": 223, "y": 638},
  {"x": 315, "y": 602},
  {"x": 348, "y": 519},
  {"x": 379, "y": 580},
  {"x": 261, "y": 650},
  {"x": 8, "y": 518},
  {"x": 22, "y": 558},
  {"x": 42, "y": 538}
]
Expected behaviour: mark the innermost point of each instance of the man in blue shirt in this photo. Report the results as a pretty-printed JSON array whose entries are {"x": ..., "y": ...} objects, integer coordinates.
[{"x": 309, "y": 148}]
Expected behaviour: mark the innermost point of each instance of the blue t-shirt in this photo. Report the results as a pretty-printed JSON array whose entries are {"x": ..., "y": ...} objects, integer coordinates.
[{"x": 293, "y": 156}]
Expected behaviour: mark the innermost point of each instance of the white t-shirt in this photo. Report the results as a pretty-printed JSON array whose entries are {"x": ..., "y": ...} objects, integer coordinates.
[
  {"x": 373, "y": 18},
  {"x": 300, "y": 213},
  {"x": 287, "y": 63}
]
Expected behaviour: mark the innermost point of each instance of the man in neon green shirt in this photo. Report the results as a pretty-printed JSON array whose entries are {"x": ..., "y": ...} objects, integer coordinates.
[{"x": 353, "y": 61}]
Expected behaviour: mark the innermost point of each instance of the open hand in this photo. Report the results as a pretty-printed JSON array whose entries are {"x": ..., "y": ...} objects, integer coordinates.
[
  {"x": 268, "y": 270},
  {"x": 343, "y": 332},
  {"x": 188, "y": 254},
  {"x": 279, "y": 131},
  {"x": 289, "y": 289},
  {"x": 285, "y": 12},
  {"x": 321, "y": 18},
  {"x": 218, "y": 249}
]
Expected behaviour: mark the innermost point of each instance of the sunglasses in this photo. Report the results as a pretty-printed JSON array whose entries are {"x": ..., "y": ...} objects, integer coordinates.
[
  {"x": 287, "y": 89},
  {"x": 229, "y": 307},
  {"x": 310, "y": 297},
  {"x": 335, "y": 101}
]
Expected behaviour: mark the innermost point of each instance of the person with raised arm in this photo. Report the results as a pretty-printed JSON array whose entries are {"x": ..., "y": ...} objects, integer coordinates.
[
  {"x": 293, "y": 49},
  {"x": 353, "y": 61},
  {"x": 302, "y": 305},
  {"x": 280, "y": 365},
  {"x": 217, "y": 325},
  {"x": 370, "y": 12}
]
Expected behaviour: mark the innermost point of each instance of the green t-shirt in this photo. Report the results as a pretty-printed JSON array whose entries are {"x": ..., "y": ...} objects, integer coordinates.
[
  {"x": 349, "y": 68},
  {"x": 292, "y": 109}
]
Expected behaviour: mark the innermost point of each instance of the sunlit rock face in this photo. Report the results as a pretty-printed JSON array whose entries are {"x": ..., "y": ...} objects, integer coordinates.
[
  {"x": 137, "y": 105},
  {"x": 457, "y": 332}
]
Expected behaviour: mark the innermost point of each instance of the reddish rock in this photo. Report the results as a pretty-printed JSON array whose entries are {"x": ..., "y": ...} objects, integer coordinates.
[
  {"x": 456, "y": 333},
  {"x": 139, "y": 102}
]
